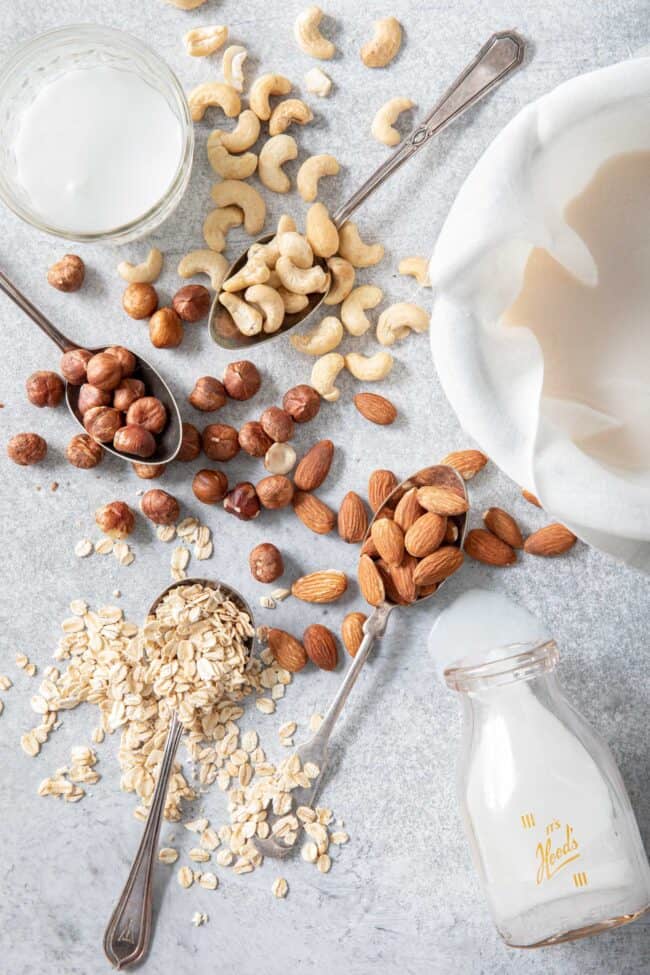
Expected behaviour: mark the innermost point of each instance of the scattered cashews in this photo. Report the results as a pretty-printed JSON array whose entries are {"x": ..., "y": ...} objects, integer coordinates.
[
  {"x": 323, "y": 339},
  {"x": 145, "y": 273},
  {"x": 354, "y": 306},
  {"x": 369, "y": 368},
  {"x": 234, "y": 191},
  {"x": 292, "y": 303},
  {"x": 253, "y": 272},
  {"x": 204, "y": 262},
  {"x": 321, "y": 231},
  {"x": 286, "y": 113},
  {"x": 232, "y": 66},
  {"x": 296, "y": 248},
  {"x": 286, "y": 224},
  {"x": 270, "y": 304},
  {"x": 309, "y": 38},
  {"x": 275, "y": 152},
  {"x": 202, "y": 41},
  {"x": 243, "y": 136},
  {"x": 398, "y": 320},
  {"x": 416, "y": 267},
  {"x": 384, "y": 45},
  {"x": 247, "y": 319},
  {"x": 213, "y": 93},
  {"x": 262, "y": 89},
  {"x": 343, "y": 275},
  {"x": 302, "y": 281},
  {"x": 324, "y": 373},
  {"x": 318, "y": 83},
  {"x": 217, "y": 224},
  {"x": 382, "y": 125},
  {"x": 353, "y": 249},
  {"x": 311, "y": 171},
  {"x": 231, "y": 167},
  {"x": 187, "y": 4}
]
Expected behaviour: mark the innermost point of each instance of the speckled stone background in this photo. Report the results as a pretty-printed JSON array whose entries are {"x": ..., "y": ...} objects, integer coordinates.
[{"x": 402, "y": 896}]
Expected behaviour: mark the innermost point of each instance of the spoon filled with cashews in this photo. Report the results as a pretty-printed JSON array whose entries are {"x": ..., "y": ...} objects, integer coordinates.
[{"x": 282, "y": 278}]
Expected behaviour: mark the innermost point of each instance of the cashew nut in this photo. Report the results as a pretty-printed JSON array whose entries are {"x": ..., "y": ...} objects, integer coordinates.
[
  {"x": 145, "y": 273},
  {"x": 242, "y": 137},
  {"x": 302, "y": 281},
  {"x": 217, "y": 224},
  {"x": 253, "y": 272},
  {"x": 321, "y": 231},
  {"x": 296, "y": 248},
  {"x": 343, "y": 275},
  {"x": 352, "y": 309},
  {"x": 270, "y": 304},
  {"x": 289, "y": 111},
  {"x": 324, "y": 373},
  {"x": 398, "y": 320},
  {"x": 275, "y": 152},
  {"x": 204, "y": 262},
  {"x": 369, "y": 368},
  {"x": 293, "y": 303},
  {"x": 244, "y": 196},
  {"x": 232, "y": 66},
  {"x": 186, "y": 4},
  {"x": 309, "y": 38},
  {"x": 311, "y": 171},
  {"x": 416, "y": 267},
  {"x": 286, "y": 224},
  {"x": 262, "y": 89},
  {"x": 382, "y": 124},
  {"x": 353, "y": 249},
  {"x": 205, "y": 40},
  {"x": 247, "y": 319},
  {"x": 324, "y": 338},
  {"x": 318, "y": 83},
  {"x": 231, "y": 167},
  {"x": 385, "y": 43},
  {"x": 271, "y": 251},
  {"x": 213, "y": 93}
]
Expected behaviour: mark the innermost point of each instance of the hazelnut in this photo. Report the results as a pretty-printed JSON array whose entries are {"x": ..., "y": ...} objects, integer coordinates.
[
  {"x": 67, "y": 274},
  {"x": 190, "y": 447},
  {"x": 275, "y": 491},
  {"x": 242, "y": 502},
  {"x": 140, "y": 301},
  {"x": 253, "y": 440},
  {"x": 148, "y": 412},
  {"x": 115, "y": 519},
  {"x": 277, "y": 423},
  {"x": 192, "y": 303},
  {"x": 45, "y": 388},
  {"x": 210, "y": 486},
  {"x": 266, "y": 562},
  {"x": 104, "y": 371},
  {"x": 125, "y": 357},
  {"x": 102, "y": 422},
  {"x": 84, "y": 452},
  {"x": 208, "y": 394},
  {"x": 241, "y": 379},
  {"x": 166, "y": 329},
  {"x": 160, "y": 507},
  {"x": 220, "y": 442},
  {"x": 302, "y": 403},
  {"x": 26, "y": 449},
  {"x": 280, "y": 458},
  {"x": 127, "y": 393},
  {"x": 134, "y": 439},
  {"x": 148, "y": 472},
  {"x": 73, "y": 365},
  {"x": 90, "y": 396}
]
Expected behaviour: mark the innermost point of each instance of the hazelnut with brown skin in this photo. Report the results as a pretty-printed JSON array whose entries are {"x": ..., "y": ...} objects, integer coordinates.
[
  {"x": 149, "y": 472},
  {"x": 220, "y": 442},
  {"x": 266, "y": 562},
  {"x": 115, "y": 519},
  {"x": 125, "y": 358},
  {"x": 241, "y": 379},
  {"x": 302, "y": 403},
  {"x": 67, "y": 274},
  {"x": 140, "y": 301},
  {"x": 210, "y": 486},
  {"x": 242, "y": 502},
  {"x": 148, "y": 412},
  {"x": 253, "y": 440},
  {"x": 166, "y": 329},
  {"x": 208, "y": 394},
  {"x": 73, "y": 365},
  {"x": 127, "y": 393},
  {"x": 104, "y": 371},
  {"x": 26, "y": 449},
  {"x": 160, "y": 507},
  {"x": 102, "y": 422},
  {"x": 192, "y": 302},
  {"x": 277, "y": 424},
  {"x": 190, "y": 447},
  {"x": 136, "y": 440},
  {"x": 45, "y": 388},
  {"x": 84, "y": 452},
  {"x": 275, "y": 491},
  {"x": 90, "y": 396}
]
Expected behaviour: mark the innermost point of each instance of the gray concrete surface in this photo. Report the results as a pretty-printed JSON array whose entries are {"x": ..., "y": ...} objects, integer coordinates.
[{"x": 403, "y": 896}]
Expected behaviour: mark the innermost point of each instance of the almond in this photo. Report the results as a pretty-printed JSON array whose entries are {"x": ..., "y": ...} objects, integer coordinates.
[
  {"x": 370, "y": 581},
  {"x": 408, "y": 509},
  {"x": 551, "y": 540},
  {"x": 403, "y": 579},
  {"x": 531, "y": 498},
  {"x": 313, "y": 512},
  {"x": 426, "y": 534},
  {"x": 320, "y": 644},
  {"x": 466, "y": 462},
  {"x": 380, "y": 484},
  {"x": 392, "y": 594},
  {"x": 442, "y": 501},
  {"x": 352, "y": 632},
  {"x": 483, "y": 546},
  {"x": 325, "y": 586},
  {"x": 288, "y": 652},
  {"x": 438, "y": 566},
  {"x": 451, "y": 532},
  {"x": 375, "y": 408},
  {"x": 353, "y": 518},
  {"x": 369, "y": 548},
  {"x": 314, "y": 466},
  {"x": 389, "y": 540},
  {"x": 504, "y": 526}
]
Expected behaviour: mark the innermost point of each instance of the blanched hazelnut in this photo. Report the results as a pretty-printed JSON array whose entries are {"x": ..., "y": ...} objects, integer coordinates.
[
  {"x": 192, "y": 302},
  {"x": 302, "y": 403},
  {"x": 253, "y": 440},
  {"x": 102, "y": 422},
  {"x": 44, "y": 388},
  {"x": 73, "y": 365},
  {"x": 277, "y": 423},
  {"x": 210, "y": 486},
  {"x": 115, "y": 519},
  {"x": 160, "y": 507},
  {"x": 67, "y": 274},
  {"x": 166, "y": 329},
  {"x": 140, "y": 301},
  {"x": 208, "y": 394},
  {"x": 148, "y": 412},
  {"x": 125, "y": 358},
  {"x": 104, "y": 371},
  {"x": 90, "y": 396},
  {"x": 84, "y": 452},
  {"x": 241, "y": 379},
  {"x": 242, "y": 502},
  {"x": 280, "y": 458},
  {"x": 127, "y": 393},
  {"x": 190, "y": 443},
  {"x": 149, "y": 472},
  {"x": 26, "y": 449},
  {"x": 220, "y": 442},
  {"x": 134, "y": 439},
  {"x": 275, "y": 491},
  {"x": 266, "y": 562}
]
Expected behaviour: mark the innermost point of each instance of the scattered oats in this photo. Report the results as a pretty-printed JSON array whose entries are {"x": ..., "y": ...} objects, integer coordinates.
[
  {"x": 197, "y": 825},
  {"x": 287, "y": 729},
  {"x": 277, "y": 691},
  {"x": 280, "y": 594},
  {"x": 339, "y": 838},
  {"x": 243, "y": 865},
  {"x": 311, "y": 770},
  {"x": 79, "y": 607},
  {"x": 318, "y": 833},
  {"x": 287, "y": 742},
  {"x": 198, "y": 855},
  {"x": 280, "y": 887},
  {"x": 262, "y": 634},
  {"x": 223, "y": 780},
  {"x": 180, "y": 558},
  {"x": 209, "y": 881},
  {"x": 199, "y": 919},
  {"x": 140, "y": 813},
  {"x": 185, "y": 877},
  {"x": 263, "y": 829},
  {"x": 187, "y": 528},
  {"x": 249, "y": 740},
  {"x": 104, "y": 546},
  {"x": 97, "y": 735},
  {"x": 203, "y": 552},
  {"x": 315, "y": 721},
  {"x": 265, "y": 705},
  {"x": 306, "y": 814},
  {"x": 166, "y": 533},
  {"x": 209, "y": 839},
  {"x": 309, "y": 852},
  {"x": 29, "y": 744},
  {"x": 21, "y": 660},
  {"x": 83, "y": 548},
  {"x": 123, "y": 553},
  {"x": 224, "y": 858},
  {"x": 267, "y": 603},
  {"x": 323, "y": 863},
  {"x": 168, "y": 855},
  {"x": 30, "y": 670},
  {"x": 324, "y": 815}
]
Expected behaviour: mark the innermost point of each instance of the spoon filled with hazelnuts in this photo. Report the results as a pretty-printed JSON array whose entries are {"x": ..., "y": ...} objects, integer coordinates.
[{"x": 117, "y": 397}]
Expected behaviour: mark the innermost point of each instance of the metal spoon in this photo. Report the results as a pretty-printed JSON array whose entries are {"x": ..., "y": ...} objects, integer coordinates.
[
  {"x": 169, "y": 442},
  {"x": 498, "y": 57},
  {"x": 316, "y": 749},
  {"x": 127, "y": 937}
]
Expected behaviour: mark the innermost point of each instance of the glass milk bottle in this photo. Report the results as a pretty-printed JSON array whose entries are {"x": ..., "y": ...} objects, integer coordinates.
[{"x": 552, "y": 832}]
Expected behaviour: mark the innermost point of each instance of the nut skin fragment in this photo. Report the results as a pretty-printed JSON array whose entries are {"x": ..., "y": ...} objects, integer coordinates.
[
  {"x": 160, "y": 507},
  {"x": 242, "y": 380},
  {"x": 190, "y": 447},
  {"x": 192, "y": 302},
  {"x": 84, "y": 452},
  {"x": 266, "y": 563},
  {"x": 166, "y": 329},
  {"x": 26, "y": 449},
  {"x": 210, "y": 486},
  {"x": 140, "y": 300},
  {"x": 384, "y": 45},
  {"x": 115, "y": 519},
  {"x": 220, "y": 441},
  {"x": 67, "y": 274},
  {"x": 44, "y": 388}
]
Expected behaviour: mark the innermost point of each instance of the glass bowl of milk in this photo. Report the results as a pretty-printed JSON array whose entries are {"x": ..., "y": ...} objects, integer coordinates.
[{"x": 97, "y": 136}]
